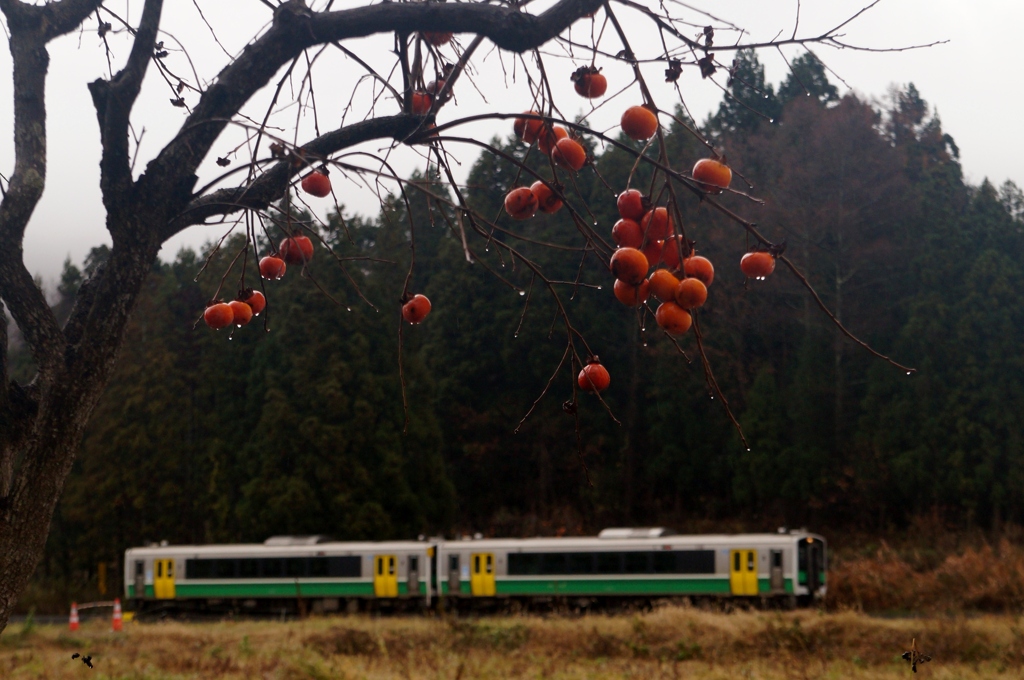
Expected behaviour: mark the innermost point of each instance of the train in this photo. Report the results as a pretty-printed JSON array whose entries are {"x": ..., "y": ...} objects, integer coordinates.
[{"x": 315, "y": 574}]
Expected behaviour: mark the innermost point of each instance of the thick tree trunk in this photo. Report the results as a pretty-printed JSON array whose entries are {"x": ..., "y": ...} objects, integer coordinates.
[{"x": 55, "y": 430}]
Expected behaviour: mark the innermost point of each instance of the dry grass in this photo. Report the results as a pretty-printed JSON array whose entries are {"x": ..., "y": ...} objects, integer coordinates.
[
  {"x": 977, "y": 578},
  {"x": 671, "y": 642}
]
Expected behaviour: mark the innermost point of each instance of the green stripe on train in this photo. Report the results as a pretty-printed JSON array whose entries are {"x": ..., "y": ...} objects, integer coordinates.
[{"x": 614, "y": 587}]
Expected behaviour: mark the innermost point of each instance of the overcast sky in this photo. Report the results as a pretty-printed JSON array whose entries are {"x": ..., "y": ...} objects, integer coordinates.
[{"x": 973, "y": 82}]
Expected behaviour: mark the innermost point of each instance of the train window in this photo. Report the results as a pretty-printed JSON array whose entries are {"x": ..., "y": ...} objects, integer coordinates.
[
  {"x": 523, "y": 564},
  {"x": 318, "y": 567},
  {"x": 140, "y": 568},
  {"x": 637, "y": 562},
  {"x": 453, "y": 562},
  {"x": 777, "y": 558},
  {"x": 736, "y": 561},
  {"x": 294, "y": 567},
  {"x": 581, "y": 563},
  {"x": 414, "y": 563},
  {"x": 248, "y": 568},
  {"x": 664, "y": 562},
  {"x": 554, "y": 563},
  {"x": 347, "y": 566},
  {"x": 695, "y": 561},
  {"x": 476, "y": 564},
  {"x": 801, "y": 554},
  {"x": 609, "y": 563},
  {"x": 223, "y": 568},
  {"x": 271, "y": 567},
  {"x": 159, "y": 568},
  {"x": 197, "y": 569}
]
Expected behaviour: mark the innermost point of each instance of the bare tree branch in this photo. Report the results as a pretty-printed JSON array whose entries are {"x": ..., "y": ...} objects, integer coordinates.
[
  {"x": 114, "y": 100},
  {"x": 296, "y": 28}
]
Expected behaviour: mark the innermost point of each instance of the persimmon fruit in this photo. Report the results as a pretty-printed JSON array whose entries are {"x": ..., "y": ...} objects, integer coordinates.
[
  {"x": 589, "y": 83},
  {"x": 691, "y": 293},
  {"x": 663, "y": 285},
  {"x": 673, "y": 318},
  {"x": 629, "y": 265},
  {"x": 594, "y": 377},
  {"x": 670, "y": 251},
  {"x": 639, "y": 123},
  {"x": 317, "y": 184},
  {"x": 218, "y": 315},
  {"x": 757, "y": 265},
  {"x": 241, "y": 311},
  {"x": 256, "y": 301},
  {"x": 652, "y": 251},
  {"x": 626, "y": 233},
  {"x": 528, "y": 129},
  {"x": 568, "y": 153},
  {"x": 548, "y": 137},
  {"x": 630, "y": 204},
  {"x": 712, "y": 175},
  {"x": 656, "y": 224},
  {"x": 421, "y": 103},
  {"x": 296, "y": 249},
  {"x": 547, "y": 200},
  {"x": 272, "y": 267},
  {"x": 416, "y": 308},
  {"x": 630, "y": 295},
  {"x": 699, "y": 268},
  {"x": 521, "y": 203}
]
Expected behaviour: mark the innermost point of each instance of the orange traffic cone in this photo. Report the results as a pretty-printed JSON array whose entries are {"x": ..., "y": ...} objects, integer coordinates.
[
  {"x": 116, "y": 622},
  {"x": 73, "y": 621}
]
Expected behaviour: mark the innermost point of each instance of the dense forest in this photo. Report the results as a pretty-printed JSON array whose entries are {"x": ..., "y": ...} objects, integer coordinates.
[{"x": 205, "y": 437}]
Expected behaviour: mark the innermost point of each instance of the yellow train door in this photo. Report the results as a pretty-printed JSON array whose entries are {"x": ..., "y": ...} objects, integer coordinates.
[
  {"x": 750, "y": 575},
  {"x": 385, "y": 576},
  {"x": 481, "y": 578},
  {"x": 743, "y": 572},
  {"x": 163, "y": 579}
]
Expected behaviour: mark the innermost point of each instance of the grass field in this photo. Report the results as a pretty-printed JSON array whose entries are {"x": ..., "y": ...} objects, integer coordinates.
[{"x": 670, "y": 642}]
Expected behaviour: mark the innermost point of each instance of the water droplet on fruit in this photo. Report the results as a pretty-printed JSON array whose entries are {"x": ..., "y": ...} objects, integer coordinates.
[
  {"x": 908, "y": 372},
  {"x": 771, "y": 120},
  {"x": 522, "y": 292},
  {"x": 516, "y": 334}
]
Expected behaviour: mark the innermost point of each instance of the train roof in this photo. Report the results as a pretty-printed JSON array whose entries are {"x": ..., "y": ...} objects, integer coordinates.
[
  {"x": 241, "y": 549},
  {"x": 609, "y": 541},
  {"x": 700, "y": 541}
]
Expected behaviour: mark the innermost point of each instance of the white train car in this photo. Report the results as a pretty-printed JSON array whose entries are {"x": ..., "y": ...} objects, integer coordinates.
[
  {"x": 636, "y": 563},
  {"x": 284, "y": 570}
]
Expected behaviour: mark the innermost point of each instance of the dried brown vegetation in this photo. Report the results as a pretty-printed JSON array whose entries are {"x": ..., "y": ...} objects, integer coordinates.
[
  {"x": 976, "y": 578},
  {"x": 671, "y": 642}
]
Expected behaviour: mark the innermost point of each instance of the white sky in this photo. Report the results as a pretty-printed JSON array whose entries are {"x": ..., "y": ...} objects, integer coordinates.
[{"x": 973, "y": 82}]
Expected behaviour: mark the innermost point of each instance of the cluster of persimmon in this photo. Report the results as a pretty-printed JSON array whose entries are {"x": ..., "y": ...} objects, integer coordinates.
[
  {"x": 292, "y": 250},
  {"x": 639, "y": 123},
  {"x": 239, "y": 312},
  {"x": 645, "y": 236}
]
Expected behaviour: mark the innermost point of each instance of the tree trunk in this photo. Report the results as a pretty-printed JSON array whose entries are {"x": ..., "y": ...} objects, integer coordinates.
[{"x": 54, "y": 431}]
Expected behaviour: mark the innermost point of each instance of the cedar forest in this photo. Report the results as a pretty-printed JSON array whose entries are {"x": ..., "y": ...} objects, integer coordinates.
[{"x": 200, "y": 439}]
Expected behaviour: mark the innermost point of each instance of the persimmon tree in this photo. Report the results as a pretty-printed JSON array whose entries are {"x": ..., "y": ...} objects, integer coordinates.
[{"x": 255, "y": 185}]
